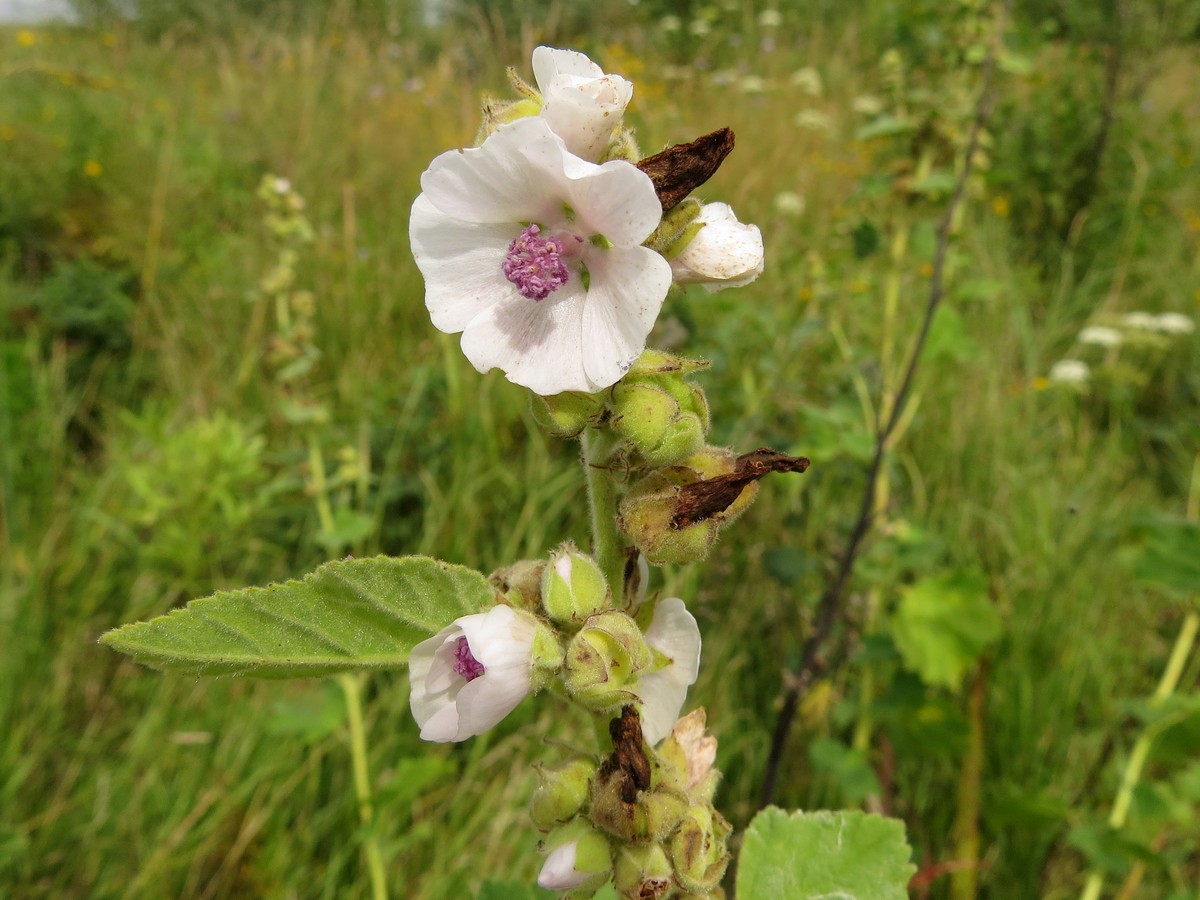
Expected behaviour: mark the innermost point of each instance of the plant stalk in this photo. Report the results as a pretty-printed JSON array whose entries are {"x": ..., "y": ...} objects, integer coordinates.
[
  {"x": 351, "y": 690},
  {"x": 607, "y": 546}
]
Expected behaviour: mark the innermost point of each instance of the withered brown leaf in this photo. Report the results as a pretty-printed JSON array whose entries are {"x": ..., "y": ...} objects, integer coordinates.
[
  {"x": 705, "y": 499},
  {"x": 628, "y": 761},
  {"x": 679, "y": 170}
]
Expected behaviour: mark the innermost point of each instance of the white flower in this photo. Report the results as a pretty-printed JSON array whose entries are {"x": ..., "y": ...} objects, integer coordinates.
[
  {"x": 1174, "y": 323},
  {"x": 535, "y": 256},
  {"x": 558, "y": 871},
  {"x": 581, "y": 104},
  {"x": 789, "y": 203},
  {"x": 471, "y": 674},
  {"x": 867, "y": 105},
  {"x": 770, "y": 18},
  {"x": 1069, "y": 371},
  {"x": 1143, "y": 320},
  {"x": 813, "y": 120},
  {"x": 808, "y": 80},
  {"x": 1100, "y": 335},
  {"x": 673, "y": 632},
  {"x": 724, "y": 253}
]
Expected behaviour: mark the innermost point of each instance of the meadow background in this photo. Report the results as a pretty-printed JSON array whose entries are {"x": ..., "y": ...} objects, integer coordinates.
[{"x": 151, "y": 451}]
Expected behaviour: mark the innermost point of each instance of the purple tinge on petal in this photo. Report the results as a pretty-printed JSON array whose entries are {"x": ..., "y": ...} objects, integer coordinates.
[
  {"x": 535, "y": 265},
  {"x": 465, "y": 664}
]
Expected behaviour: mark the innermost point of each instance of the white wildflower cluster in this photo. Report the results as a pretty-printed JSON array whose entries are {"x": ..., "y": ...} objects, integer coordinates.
[
  {"x": 533, "y": 245},
  {"x": 1136, "y": 331}
]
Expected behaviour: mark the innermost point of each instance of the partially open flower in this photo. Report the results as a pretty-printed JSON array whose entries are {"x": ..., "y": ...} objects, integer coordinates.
[
  {"x": 581, "y": 104},
  {"x": 580, "y": 858},
  {"x": 535, "y": 255},
  {"x": 674, "y": 637},
  {"x": 472, "y": 673},
  {"x": 724, "y": 253}
]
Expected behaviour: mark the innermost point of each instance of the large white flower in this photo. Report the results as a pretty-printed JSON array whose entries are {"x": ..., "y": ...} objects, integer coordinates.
[
  {"x": 581, "y": 104},
  {"x": 673, "y": 632},
  {"x": 724, "y": 253},
  {"x": 471, "y": 674},
  {"x": 535, "y": 256}
]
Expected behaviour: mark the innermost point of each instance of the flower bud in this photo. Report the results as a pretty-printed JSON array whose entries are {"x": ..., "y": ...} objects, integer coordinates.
[
  {"x": 565, "y": 415},
  {"x": 698, "y": 849},
  {"x": 643, "y": 872},
  {"x": 573, "y": 587},
  {"x": 665, "y": 418},
  {"x": 688, "y": 755},
  {"x": 603, "y": 661},
  {"x": 521, "y": 583},
  {"x": 579, "y": 858},
  {"x": 562, "y": 792}
]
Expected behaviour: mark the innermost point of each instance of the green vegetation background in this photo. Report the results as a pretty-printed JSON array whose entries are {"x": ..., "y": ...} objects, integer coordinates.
[{"x": 143, "y": 460}]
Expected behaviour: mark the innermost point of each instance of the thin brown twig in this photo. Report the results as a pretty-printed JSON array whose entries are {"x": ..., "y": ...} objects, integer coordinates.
[{"x": 831, "y": 600}]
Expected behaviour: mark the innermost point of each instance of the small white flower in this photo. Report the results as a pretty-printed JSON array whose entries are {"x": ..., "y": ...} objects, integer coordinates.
[
  {"x": 670, "y": 24},
  {"x": 808, "y": 80},
  {"x": 1144, "y": 320},
  {"x": 535, "y": 255},
  {"x": 770, "y": 18},
  {"x": 1069, "y": 371},
  {"x": 559, "y": 872},
  {"x": 673, "y": 632},
  {"x": 752, "y": 84},
  {"x": 1100, "y": 336},
  {"x": 724, "y": 253},
  {"x": 867, "y": 105},
  {"x": 699, "y": 28},
  {"x": 1174, "y": 323},
  {"x": 789, "y": 203},
  {"x": 813, "y": 120},
  {"x": 581, "y": 104},
  {"x": 471, "y": 674}
]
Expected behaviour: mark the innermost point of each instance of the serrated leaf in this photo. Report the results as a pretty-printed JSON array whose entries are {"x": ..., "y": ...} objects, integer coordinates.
[
  {"x": 804, "y": 856},
  {"x": 350, "y": 614},
  {"x": 943, "y": 625}
]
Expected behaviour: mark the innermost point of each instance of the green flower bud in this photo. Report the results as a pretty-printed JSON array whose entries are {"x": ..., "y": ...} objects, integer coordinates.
[
  {"x": 698, "y": 849},
  {"x": 565, "y": 415},
  {"x": 546, "y": 656},
  {"x": 579, "y": 860},
  {"x": 573, "y": 587},
  {"x": 521, "y": 583},
  {"x": 603, "y": 661},
  {"x": 562, "y": 792},
  {"x": 659, "y": 362},
  {"x": 650, "y": 415},
  {"x": 643, "y": 872}
]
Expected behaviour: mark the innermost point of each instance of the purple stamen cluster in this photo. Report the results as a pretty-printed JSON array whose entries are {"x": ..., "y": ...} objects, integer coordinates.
[
  {"x": 534, "y": 264},
  {"x": 466, "y": 664}
]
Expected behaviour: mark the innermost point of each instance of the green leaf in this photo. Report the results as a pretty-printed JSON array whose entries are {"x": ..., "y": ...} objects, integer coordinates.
[
  {"x": 848, "y": 855},
  {"x": 350, "y": 614},
  {"x": 948, "y": 339},
  {"x": 885, "y": 126},
  {"x": 943, "y": 625},
  {"x": 846, "y": 767},
  {"x": 1168, "y": 555}
]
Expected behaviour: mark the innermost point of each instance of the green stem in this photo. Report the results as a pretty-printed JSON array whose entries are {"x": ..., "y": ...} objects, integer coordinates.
[
  {"x": 1141, "y": 748},
  {"x": 602, "y": 509},
  {"x": 316, "y": 462},
  {"x": 350, "y": 685}
]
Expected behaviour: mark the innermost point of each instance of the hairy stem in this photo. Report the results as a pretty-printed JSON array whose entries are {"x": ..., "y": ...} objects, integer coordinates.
[
  {"x": 831, "y": 600},
  {"x": 351, "y": 690},
  {"x": 607, "y": 546}
]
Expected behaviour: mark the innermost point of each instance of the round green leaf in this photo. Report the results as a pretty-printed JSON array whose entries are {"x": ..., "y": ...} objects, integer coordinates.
[{"x": 848, "y": 855}]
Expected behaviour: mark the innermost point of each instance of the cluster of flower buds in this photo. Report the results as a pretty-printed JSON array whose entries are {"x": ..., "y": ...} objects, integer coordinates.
[
  {"x": 641, "y": 817},
  {"x": 554, "y": 622}
]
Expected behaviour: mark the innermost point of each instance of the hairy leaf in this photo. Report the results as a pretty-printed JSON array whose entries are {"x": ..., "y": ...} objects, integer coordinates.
[
  {"x": 803, "y": 856},
  {"x": 350, "y": 614}
]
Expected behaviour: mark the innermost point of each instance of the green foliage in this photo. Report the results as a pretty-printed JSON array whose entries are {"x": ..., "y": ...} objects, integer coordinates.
[
  {"x": 943, "y": 625},
  {"x": 1166, "y": 555},
  {"x": 824, "y": 854},
  {"x": 348, "y": 615}
]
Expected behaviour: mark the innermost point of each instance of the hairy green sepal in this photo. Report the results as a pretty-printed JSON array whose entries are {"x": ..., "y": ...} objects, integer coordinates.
[
  {"x": 803, "y": 856},
  {"x": 347, "y": 615}
]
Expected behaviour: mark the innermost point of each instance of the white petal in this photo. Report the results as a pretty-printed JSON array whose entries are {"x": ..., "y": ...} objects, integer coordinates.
[
  {"x": 462, "y": 264},
  {"x": 502, "y": 642},
  {"x": 674, "y": 633},
  {"x": 581, "y": 104},
  {"x": 434, "y": 685},
  {"x": 725, "y": 252},
  {"x": 616, "y": 200},
  {"x": 558, "y": 871},
  {"x": 536, "y": 343},
  {"x": 497, "y": 182},
  {"x": 628, "y": 286}
]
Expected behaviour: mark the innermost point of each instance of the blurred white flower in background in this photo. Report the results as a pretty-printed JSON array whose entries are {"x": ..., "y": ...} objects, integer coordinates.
[
  {"x": 867, "y": 105},
  {"x": 1143, "y": 320},
  {"x": 1069, "y": 371},
  {"x": 752, "y": 84},
  {"x": 1100, "y": 336},
  {"x": 1174, "y": 323},
  {"x": 813, "y": 120},
  {"x": 770, "y": 18},
  {"x": 808, "y": 80},
  {"x": 788, "y": 203}
]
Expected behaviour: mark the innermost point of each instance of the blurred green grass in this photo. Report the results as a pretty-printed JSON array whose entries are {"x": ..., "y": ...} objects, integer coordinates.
[{"x": 140, "y": 158}]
